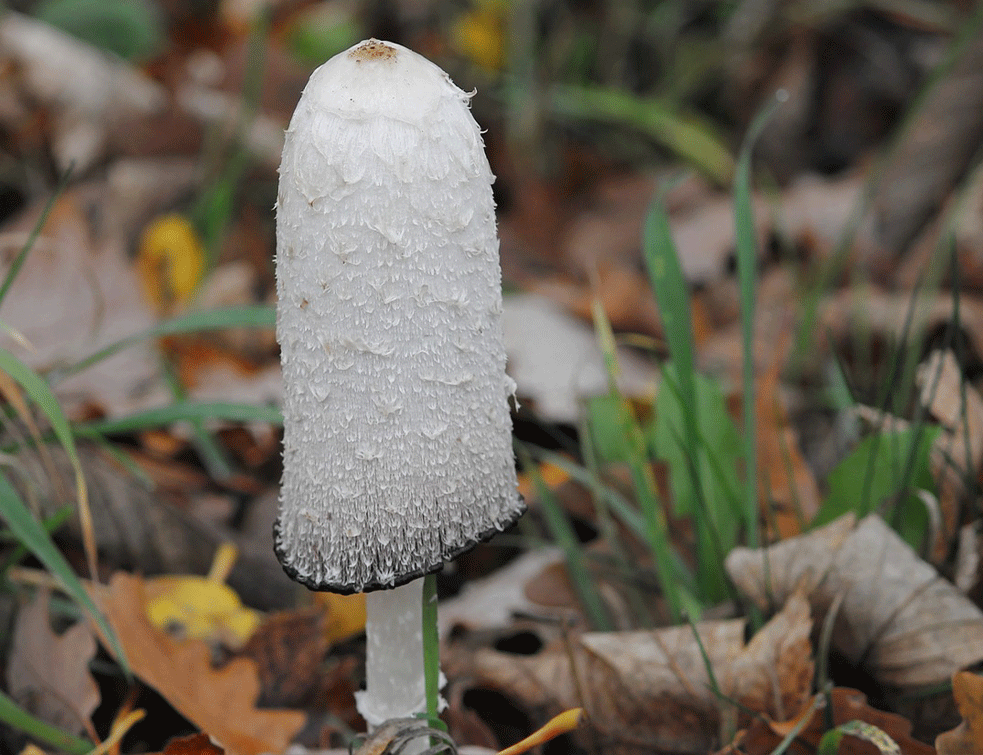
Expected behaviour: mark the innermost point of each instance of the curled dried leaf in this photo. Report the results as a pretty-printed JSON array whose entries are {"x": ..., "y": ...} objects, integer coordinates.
[{"x": 892, "y": 599}]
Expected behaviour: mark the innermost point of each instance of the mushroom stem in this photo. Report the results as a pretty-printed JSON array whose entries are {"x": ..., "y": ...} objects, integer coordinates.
[{"x": 394, "y": 678}]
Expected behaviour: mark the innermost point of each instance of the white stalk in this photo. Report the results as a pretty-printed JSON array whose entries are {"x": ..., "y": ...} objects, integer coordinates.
[{"x": 394, "y": 683}]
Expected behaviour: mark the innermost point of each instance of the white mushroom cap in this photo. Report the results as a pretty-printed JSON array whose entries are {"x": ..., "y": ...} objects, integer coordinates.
[{"x": 397, "y": 434}]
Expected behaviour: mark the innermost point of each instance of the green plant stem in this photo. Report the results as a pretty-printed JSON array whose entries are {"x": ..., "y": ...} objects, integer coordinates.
[
  {"x": 18, "y": 262},
  {"x": 431, "y": 652},
  {"x": 18, "y": 718},
  {"x": 656, "y": 527}
]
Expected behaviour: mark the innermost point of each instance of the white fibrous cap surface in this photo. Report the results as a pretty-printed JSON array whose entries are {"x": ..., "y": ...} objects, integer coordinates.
[{"x": 397, "y": 434}]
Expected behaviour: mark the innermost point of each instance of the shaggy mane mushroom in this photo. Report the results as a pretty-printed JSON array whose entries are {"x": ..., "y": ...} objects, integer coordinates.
[{"x": 397, "y": 444}]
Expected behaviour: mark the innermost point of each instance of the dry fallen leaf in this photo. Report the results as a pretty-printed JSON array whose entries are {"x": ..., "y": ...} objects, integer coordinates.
[
  {"x": 892, "y": 599},
  {"x": 891, "y": 315},
  {"x": 967, "y": 738},
  {"x": 222, "y": 702},
  {"x": 90, "y": 299},
  {"x": 49, "y": 674},
  {"x": 495, "y": 600},
  {"x": 288, "y": 648},
  {"x": 763, "y": 736},
  {"x": 788, "y": 486},
  {"x": 193, "y": 744},
  {"x": 958, "y": 452},
  {"x": 556, "y": 361},
  {"x": 936, "y": 147},
  {"x": 645, "y": 690},
  {"x": 85, "y": 89}
]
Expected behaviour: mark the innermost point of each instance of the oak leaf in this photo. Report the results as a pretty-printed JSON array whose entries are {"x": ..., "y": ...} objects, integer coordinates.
[
  {"x": 763, "y": 736},
  {"x": 891, "y": 599},
  {"x": 221, "y": 702},
  {"x": 49, "y": 674},
  {"x": 967, "y": 738},
  {"x": 651, "y": 690}
]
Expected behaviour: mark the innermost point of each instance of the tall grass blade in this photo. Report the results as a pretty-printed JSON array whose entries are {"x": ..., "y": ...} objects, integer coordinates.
[
  {"x": 254, "y": 316},
  {"x": 672, "y": 294},
  {"x": 18, "y": 718},
  {"x": 691, "y": 138},
  {"x": 33, "y": 536},
  {"x": 42, "y": 396},
  {"x": 747, "y": 265},
  {"x": 181, "y": 411},
  {"x": 656, "y": 528},
  {"x": 19, "y": 260},
  {"x": 564, "y": 536},
  {"x": 50, "y": 525}
]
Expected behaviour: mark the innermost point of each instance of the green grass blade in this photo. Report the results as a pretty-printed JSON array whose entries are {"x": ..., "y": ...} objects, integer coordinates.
[
  {"x": 643, "y": 480},
  {"x": 18, "y": 718},
  {"x": 620, "y": 506},
  {"x": 30, "y": 533},
  {"x": 564, "y": 536},
  {"x": 211, "y": 453},
  {"x": 18, "y": 262},
  {"x": 672, "y": 294},
  {"x": 43, "y": 397},
  {"x": 691, "y": 138},
  {"x": 431, "y": 652},
  {"x": 181, "y": 411},
  {"x": 50, "y": 524},
  {"x": 255, "y": 316},
  {"x": 747, "y": 265}
]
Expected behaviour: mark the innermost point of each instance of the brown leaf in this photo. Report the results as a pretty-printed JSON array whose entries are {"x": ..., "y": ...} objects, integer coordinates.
[
  {"x": 85, "y": 89},
  {"x": 49, "y": 674},
  {"x": 222, "y": 702},
  {"x": 564, "y": 363},
  {"x": 888, "y": 315},
  {"x": 494, "y": 601},
  {"x": 892, "y": 599},
  {"x": 938, "y": 146},
  {"x": 966, "y": 738},
  {"x": 91, "y": 299},
  {"x": 288, "y": 649},
  {"x": 788, "y": 486},
  {"x": 645, "y": 690},
  {"x": 193, "y": 744},
  {"x": 764, "y": 736},
  {"x": 773, "y": 673},
  {"x": 958, "y": 452}
]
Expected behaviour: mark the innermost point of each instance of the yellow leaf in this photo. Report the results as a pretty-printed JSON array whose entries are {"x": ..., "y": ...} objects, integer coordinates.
[
  {"x": 202, "y": 608},
  {"x": 552, "y": 475},
  {"x": 346, "y": 614},
  {"x": 170, "y": 261}
]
